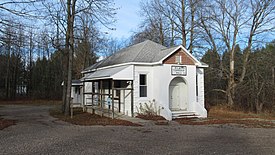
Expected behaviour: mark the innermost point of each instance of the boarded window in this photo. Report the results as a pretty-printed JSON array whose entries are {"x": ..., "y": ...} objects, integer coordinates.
[
  {"x": 178, "y": 59},
  {"x": 142, "y": 85}
]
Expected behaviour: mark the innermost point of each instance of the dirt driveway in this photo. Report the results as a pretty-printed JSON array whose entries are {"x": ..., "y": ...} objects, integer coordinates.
[{"x": 38, "y": 133}]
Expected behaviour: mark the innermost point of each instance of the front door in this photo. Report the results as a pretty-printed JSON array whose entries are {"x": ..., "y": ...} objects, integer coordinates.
[
  {"x": 174, "y": 97},
  {"x": 178, "y": 98}
]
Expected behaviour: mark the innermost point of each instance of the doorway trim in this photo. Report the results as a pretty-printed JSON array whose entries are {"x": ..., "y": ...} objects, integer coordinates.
[{"x": 178, "y": 94}]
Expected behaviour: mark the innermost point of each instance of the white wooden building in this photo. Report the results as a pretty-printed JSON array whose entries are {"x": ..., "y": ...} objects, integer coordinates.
[{"x": 169, "y": 78}]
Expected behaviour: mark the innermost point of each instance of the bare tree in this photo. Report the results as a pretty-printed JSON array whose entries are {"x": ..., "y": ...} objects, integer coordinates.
[
  {"x": 98, "y": 10},
  {"x": 227, "y": 22}
]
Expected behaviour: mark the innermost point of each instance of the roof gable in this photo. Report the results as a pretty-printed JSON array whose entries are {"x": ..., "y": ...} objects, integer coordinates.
[
  {"x": 185, "y": 58},
  {"x": 189, "y": 58}
]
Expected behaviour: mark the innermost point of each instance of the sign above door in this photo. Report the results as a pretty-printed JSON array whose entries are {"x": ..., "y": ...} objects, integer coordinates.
[{"x": 179, "y": 70}]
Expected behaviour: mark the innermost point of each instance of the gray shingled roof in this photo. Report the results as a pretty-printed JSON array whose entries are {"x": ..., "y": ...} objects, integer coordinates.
[
  {"x": 76, "y": 82},
  {"x": 144, "y": 52},
  {"x": 105, "y": 73}
]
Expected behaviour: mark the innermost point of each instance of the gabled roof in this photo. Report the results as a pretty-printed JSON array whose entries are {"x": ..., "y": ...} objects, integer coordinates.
[{"x": 144, "y": 52}]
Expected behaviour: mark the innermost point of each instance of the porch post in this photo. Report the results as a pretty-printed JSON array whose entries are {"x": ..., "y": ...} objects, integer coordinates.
[
  {"x": 113, "y": 109},
  {"x": 83, "y": 96},
  {"x": 101, "y": 97},
  {"x": 92, "y": 93},
  {"x": 119, "y": 103},
  {"x": 132, "y": 99}
]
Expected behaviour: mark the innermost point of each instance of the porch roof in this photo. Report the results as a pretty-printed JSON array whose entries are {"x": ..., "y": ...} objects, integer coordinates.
[{"x": 114, "y": 73}]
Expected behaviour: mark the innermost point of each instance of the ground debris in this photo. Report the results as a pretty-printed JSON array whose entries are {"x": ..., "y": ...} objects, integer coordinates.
[
  {"x": 4, "y": 123},
  {"x": 86, "y": 119}
]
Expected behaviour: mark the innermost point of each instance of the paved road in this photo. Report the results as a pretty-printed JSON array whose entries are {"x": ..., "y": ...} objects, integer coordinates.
[{"x": 38, "y": 133}]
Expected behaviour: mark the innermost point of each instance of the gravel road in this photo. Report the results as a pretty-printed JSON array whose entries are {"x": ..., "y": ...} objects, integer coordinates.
[{"x": 38, "y": 133}]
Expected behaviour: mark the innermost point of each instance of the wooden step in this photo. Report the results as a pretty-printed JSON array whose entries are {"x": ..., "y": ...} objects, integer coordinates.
[{"x": 184, "y": 114}]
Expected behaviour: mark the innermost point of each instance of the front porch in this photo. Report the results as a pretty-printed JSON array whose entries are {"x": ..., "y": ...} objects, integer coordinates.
[{"x": 108, "y": 97}]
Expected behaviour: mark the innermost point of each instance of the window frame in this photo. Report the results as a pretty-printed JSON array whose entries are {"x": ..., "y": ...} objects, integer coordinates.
[{"x": 144, "y": 94}]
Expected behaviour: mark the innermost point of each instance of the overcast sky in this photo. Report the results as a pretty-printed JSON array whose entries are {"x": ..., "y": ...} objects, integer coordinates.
[{"x": 127, "y": 18}]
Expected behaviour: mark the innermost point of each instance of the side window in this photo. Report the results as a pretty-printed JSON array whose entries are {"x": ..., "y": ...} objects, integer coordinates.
[
  {"x": 142, "y": 85},
  {"x": 75, "y": 90}
]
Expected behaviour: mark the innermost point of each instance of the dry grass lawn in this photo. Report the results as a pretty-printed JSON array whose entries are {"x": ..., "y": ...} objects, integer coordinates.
[{"x": 224, "y": 115}]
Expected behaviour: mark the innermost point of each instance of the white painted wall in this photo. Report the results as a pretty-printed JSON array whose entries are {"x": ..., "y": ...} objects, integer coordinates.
[
  {"x": 200, "y": 106},
  {"x": 148, "y": 70},
  {"x": 158, "y": 80},
  {"x": 162, "y": 80}
]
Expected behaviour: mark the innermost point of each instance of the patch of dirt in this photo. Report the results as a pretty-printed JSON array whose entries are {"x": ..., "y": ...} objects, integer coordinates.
[
  {"x": 87, "y": 119},
  {"x": 150, "y": 117},
  {"x": 158, "y": 120},
  {"x": 4, "y": 123}
]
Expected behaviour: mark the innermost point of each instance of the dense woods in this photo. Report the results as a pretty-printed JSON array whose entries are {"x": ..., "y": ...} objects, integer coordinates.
[
  {"x": 45, "y": 43},
  {"x": 233, "y": 36}
]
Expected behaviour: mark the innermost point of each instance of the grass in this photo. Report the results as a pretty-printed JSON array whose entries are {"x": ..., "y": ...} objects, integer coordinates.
[
  {"x": 4, "y": 123},
  {"x": 229, "y": 113},
  {"x": 88, "y": 119},
  {"x": 224, "y": 115}
]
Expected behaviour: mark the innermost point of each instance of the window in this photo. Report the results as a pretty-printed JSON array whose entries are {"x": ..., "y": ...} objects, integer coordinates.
[
  {"x": 142, "y": 85},
  {"x": 77, "y": 90},
  {"x": 178, "y": 59}
]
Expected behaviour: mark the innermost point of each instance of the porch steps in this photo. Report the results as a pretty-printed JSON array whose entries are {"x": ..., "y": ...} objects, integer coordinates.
[{"x": 184, "y": 114}]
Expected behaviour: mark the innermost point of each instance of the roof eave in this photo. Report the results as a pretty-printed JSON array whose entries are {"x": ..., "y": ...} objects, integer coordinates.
[
  {"x": 123, "y": 64},
  {"x": 88, "y": 71},
  {"x": 203, "y": 66}
]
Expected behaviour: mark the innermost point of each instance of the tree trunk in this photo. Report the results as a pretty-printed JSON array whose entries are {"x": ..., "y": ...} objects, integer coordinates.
[
  {"x": 230, "y": 98},
  {"x": 172, "y": 33},
  {"x": 70, "y": 45},
  {"x": 161, "y": 32},
  {"x": 7, "y": 79},
  {"x": 65, "y": 79},
  {"x": 192, "y": 26},
  {"x": 231, "y": 81},
  {"x": 183, "y": 23},
  {"x": 29, "y": 87}
]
